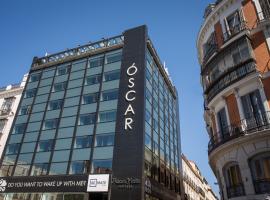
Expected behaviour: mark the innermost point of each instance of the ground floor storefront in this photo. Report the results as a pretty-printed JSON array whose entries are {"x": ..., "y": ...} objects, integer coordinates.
[{"x": 54, "y": 196}]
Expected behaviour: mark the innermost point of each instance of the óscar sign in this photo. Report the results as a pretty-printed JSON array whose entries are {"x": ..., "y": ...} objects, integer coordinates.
[{"x": 130, "y": 96}]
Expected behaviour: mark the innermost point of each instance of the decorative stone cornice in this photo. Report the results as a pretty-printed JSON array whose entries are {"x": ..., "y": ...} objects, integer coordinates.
[{"x": 11, "y": 92}]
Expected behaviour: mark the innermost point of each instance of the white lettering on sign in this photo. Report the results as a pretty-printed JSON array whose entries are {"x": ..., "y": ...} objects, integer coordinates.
[{"x": 130, "y": 97}]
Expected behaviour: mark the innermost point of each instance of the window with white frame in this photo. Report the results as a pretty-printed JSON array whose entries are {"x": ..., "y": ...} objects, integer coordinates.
[
  {"x": 233, "y": 23},
  {"x": 6, "y": 106}
]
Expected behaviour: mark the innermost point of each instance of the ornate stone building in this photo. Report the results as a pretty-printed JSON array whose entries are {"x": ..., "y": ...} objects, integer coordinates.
[
  {"x": 195, "y": 185},
  {"x": 9, "y": 101},
  {"x": 233, "y": 49}
]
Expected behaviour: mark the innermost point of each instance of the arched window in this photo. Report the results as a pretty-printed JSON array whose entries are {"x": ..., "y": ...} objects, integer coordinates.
[
  {"x": 233, "y": 180},
  {"x": 260, "y": 169}
]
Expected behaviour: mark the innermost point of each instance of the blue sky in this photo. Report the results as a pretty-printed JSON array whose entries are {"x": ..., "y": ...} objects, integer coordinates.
[{"x": 31, "y": 28}]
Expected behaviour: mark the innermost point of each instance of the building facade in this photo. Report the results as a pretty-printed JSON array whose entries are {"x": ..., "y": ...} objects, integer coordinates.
[
  {"x": 9, "y": 100},
  {"x": 233, "y": 47},
  {"x": 195, "y": 185},
  {"x": 96, "y": 122}
]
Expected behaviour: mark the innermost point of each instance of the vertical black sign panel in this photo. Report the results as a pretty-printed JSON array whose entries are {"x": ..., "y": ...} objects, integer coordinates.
[{"x": 129, "y": 143}]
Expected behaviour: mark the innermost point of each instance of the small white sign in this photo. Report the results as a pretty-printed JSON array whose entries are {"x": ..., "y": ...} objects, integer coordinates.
[{"x": 98, "y": 183}]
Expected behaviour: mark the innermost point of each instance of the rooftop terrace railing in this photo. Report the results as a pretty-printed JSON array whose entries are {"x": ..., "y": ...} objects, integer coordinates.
[{"x": 79, "y": 50}]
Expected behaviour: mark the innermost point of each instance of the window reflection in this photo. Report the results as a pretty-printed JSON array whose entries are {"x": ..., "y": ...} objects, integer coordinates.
[
  {"x": 83, "y": 142},
  {"x": 104, "y": 140},
  {"x": 102, "y": 166}
]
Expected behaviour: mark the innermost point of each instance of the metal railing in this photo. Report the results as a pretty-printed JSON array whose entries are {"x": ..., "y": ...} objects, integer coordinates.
[
  {"x": 5, "y": 111},
  {"x": 262, "y": 186},
  {"x": 257, "y": 122},
  {"x": 234, "y": 31},
  {"x": 213, "y": 49},
  {"x": 79, "y": 50},
  {"x": 263, "y": 17},
  {"x": 235, "y": 191},
  {"x": 229, "y": 77}
]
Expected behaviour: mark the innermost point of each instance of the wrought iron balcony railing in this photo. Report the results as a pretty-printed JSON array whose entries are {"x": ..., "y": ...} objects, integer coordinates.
[
  {"x": 234, "y": 31},
  {"x": 235, "y": 191},
  {"x": 79, "y": 50},
  {"x": 262, "y": 186},
  {"x": 211, "y": 50},
  {"x": 257, "y": 122},
  {"x": 229, "y": 77},
  {"x": 5, "y": 111},
  {"x": 263, "y": 17}
]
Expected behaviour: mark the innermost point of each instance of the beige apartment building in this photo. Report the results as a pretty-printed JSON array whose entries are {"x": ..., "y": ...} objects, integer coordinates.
[
  {"x": 9, "y": 100},
  {"x": 195, "y": 185}
]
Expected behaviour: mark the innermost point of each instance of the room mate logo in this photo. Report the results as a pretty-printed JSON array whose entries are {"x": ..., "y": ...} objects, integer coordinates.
[{"x": 3, "y": 185}]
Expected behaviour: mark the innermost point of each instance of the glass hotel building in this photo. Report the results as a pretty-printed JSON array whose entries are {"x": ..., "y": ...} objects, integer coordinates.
[{"x": 103, "y": 108}]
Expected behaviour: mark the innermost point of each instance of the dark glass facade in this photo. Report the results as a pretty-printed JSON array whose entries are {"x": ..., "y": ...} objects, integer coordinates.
[{"x": 70, "y": 115}]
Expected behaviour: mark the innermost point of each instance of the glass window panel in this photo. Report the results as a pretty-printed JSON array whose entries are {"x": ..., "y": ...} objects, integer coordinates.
[
  {"x": 30, "y": 93},
  {"x": 57, "y": 87},
  {"x": 29, "y": 137},
  {"x": 58, "y": 168},
  {"x": 65, "y": 132},
  {"x": 19, "y": 128},
  {"x": 90, "y": 98},
  {"x": 83, "y": 142},
  {"x": 12, "y": 149},
  {"x": 74, "y": 101},
  {"x": 22, "y": 170},
  {"x": 148, "y": 141},
  {"x": 81, "y": 154},
  {"x": 102, "y": 166},
  {"x": 91, "y": 80},
  {"x": 104, "y": 140},
  {"x": 62, "y": 70},
  {"x": 87, "y": 119},
  {"x": 50, "y": 124},
  {"x": 109, "y": 95},
  {"x": 25, "y": 158},
  {"x": 45, "y": 145},
  {"x": 75, "y": 83},
  {"x": 95, "y": 62},
  {"x": 39, "y": 169},
  {"x": 113, "y": 58},
  {"x": 34, "y": 77},
  {"x": 79, "y": 167},
  {"x": 59, "y": 156},
  {"x": 25, "y": 110},
  {"x": 56, "y": 104},
  {"x": 28, "y": 147},
  {"x": 107, "y": 116},
  {"x": 48, "y": 73},
  {"x": 42, "y": 157},
  {"x": 112, "y": 75},
  {"x": 68, "y": 121},
  {"x": 63, "y": 144}
]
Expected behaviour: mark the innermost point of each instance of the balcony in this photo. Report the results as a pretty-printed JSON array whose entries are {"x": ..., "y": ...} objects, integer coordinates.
[
  {"x": 262, "y": 186},
  {"x": 258, "y": 122},
  {"x": 5, "y": 111},
  {"x": 229, "y": 77},
  {"x": 233, "y": 31},
  {"x": 235, "y": 191}
]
